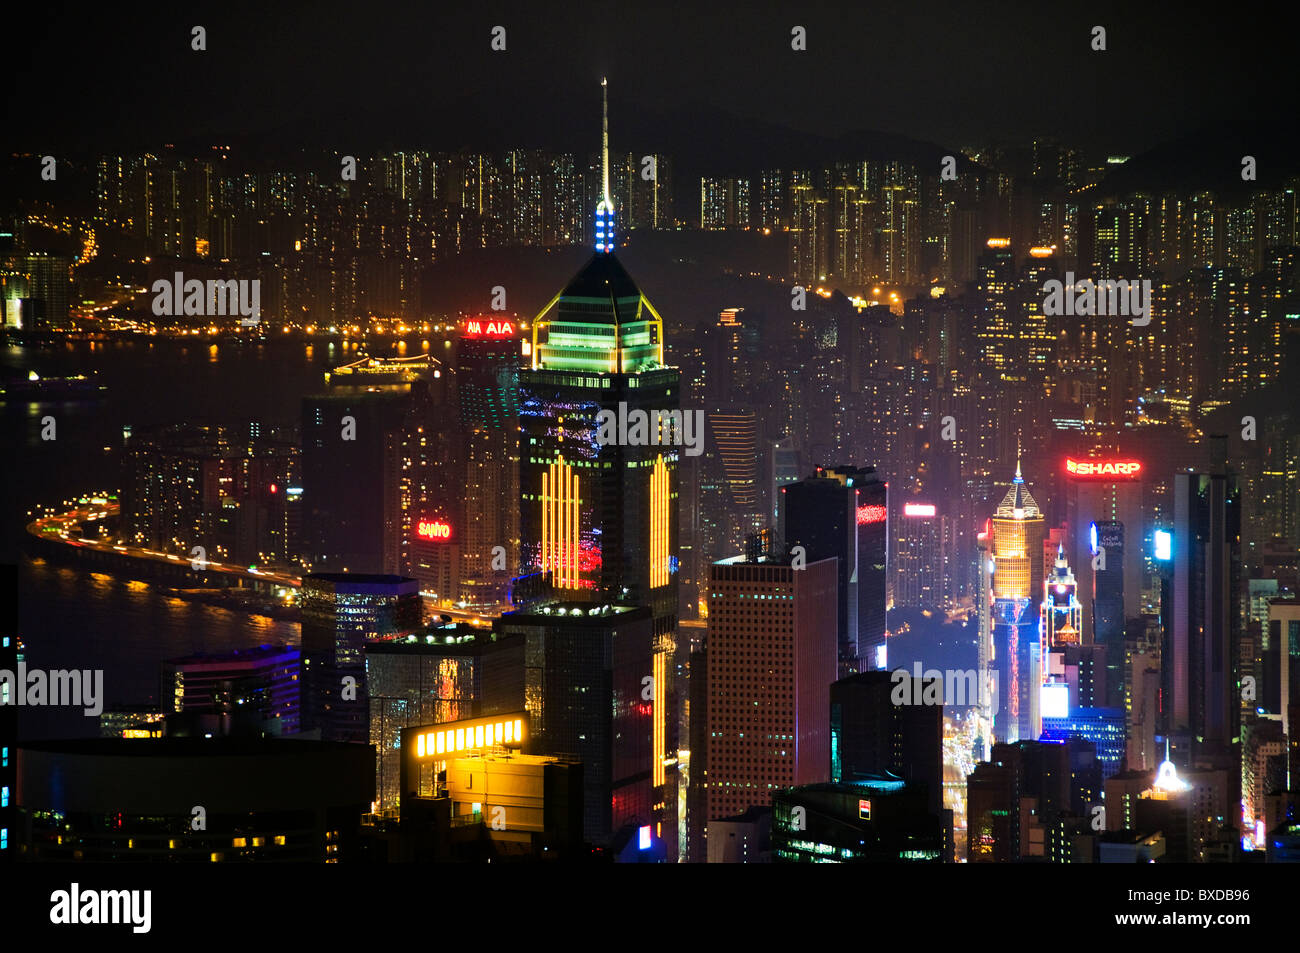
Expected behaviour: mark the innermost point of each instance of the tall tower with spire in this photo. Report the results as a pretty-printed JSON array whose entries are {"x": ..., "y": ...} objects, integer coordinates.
[
  {"x": 1017, "y": 552},
  {"x": 599, "y": 519}
]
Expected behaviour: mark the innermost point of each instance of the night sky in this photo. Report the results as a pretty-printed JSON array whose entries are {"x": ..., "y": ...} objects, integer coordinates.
[{"x": 366, "y": 75}]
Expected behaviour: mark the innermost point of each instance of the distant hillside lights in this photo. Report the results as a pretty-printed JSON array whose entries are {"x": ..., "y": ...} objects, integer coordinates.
[
  {"x": 672, "y": 428},
  {"x": 1086, "y": 297},
  {"x": 212, "y": 298}
]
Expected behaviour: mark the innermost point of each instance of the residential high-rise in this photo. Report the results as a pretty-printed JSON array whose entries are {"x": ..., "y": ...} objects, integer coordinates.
[
  {"x": 771, "y": 662},
  {"x": 842, "y": 512}
]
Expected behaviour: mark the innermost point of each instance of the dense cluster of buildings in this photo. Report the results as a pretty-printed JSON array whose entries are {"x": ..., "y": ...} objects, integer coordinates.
[{"x": 524, "y": 639}]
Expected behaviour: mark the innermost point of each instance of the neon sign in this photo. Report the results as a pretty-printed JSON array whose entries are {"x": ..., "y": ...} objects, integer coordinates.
[
  {"x": 489, "y": 329},
  {"x": 870, "y": 514},
  {"x": 433, "y": 529},
  {"x": 918, "y": 509},
  {"x": 1097, "y": 469}
]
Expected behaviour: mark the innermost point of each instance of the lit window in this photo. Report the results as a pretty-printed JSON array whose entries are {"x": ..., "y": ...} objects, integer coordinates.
[
  {"x": 478, "y": 736},
  {"x": 460, "y": 739},
  {"x": 442, "y": 742},
  {"x": 519, "y": 730},
  {"x": 419, "y": 746}
]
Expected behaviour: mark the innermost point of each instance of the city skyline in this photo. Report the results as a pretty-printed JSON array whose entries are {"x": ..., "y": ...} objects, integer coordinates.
[{"x": 744, "y": 460}]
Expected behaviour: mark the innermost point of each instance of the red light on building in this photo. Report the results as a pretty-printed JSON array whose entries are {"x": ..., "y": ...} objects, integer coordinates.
[
  {"x": 1103, "y": 469},
  {"x": 478, "y": 328},
  {"x": 870, "y": 514},
  {"x": 433, "y": 529},
  {"x": 919, "y": 509}
]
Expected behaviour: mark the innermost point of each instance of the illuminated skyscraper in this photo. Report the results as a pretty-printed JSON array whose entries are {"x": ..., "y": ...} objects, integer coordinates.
[
  {"x": 487, "y": 382},
  {"x": 601, "y": 518},
  {"x": 1018, "y": 531}
]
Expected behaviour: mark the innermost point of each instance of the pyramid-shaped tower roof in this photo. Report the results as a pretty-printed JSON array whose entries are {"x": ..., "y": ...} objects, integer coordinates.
[{"x": 1018, "y": 501}]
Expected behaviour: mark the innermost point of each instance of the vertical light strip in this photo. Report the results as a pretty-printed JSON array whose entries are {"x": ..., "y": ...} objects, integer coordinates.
[
  {"x": 546, "y": 523},
  {"x": 560, "y": 519},
  {"x": 660, "y": 706},
  {"x": 659, "y": 524}
]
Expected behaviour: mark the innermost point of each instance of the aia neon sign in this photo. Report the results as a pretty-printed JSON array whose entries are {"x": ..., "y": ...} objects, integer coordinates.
[
  {"x": 870, "y": 514},
  {"x": 433, "y": 529},
  {"x": 1103, "y": 469},
  {"x": 476, "y": 328}
]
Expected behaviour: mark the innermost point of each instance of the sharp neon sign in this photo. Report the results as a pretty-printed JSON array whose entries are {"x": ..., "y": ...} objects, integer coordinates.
[
  {"x": 870, "y": 514},
  {"x": 489, "y": 329},
  {"x": 1101, "y": 469},
  {"x": 433, "y": 529}
]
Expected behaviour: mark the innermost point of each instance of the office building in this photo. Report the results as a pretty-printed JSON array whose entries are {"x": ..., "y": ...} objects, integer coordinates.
[
  {"x": 487, "y": 360},
  {"x": 341, "y": 612},
  {"x": 842, "y": 513},
  {"x": 1017, "y": 555},
  {"x": 1201, "y": 619},
  {"x": 872, "y": 736},
  {"x": 771, "y": 662},
  {"x": 596, "y": 690}
]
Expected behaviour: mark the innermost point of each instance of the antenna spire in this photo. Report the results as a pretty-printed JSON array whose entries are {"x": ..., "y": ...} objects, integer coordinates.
[
  {"x": 605, "y": 207},
  {"x": 604, "y": 139}
]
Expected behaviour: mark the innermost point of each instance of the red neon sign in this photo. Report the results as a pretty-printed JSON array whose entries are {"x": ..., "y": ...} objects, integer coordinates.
[
  {"x": 433, "y": 529},
  {"x": 477, "y": 328},
  {"x": 919, "y": 509},
  {"x": 1101, "y": 469},
  {"x": 870, "y": 514}
]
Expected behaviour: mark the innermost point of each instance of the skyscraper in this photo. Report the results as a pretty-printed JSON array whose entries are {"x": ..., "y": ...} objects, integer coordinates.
[
  {"x": 843, "y": 512},
  {"x": 771, "y": 662},
  {"x": 599, "y": 515},
  {"x": 1200, "y": 654},
  {"x": 487, "y": 384},
  {"x": 1018, "y": 531}
]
